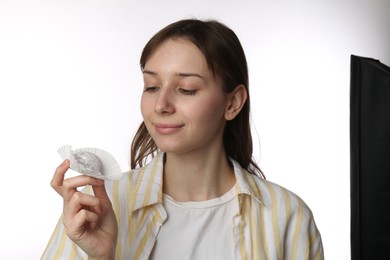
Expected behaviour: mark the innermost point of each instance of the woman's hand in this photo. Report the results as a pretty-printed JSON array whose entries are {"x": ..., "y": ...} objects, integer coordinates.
[{"x": 89, "y": 220}]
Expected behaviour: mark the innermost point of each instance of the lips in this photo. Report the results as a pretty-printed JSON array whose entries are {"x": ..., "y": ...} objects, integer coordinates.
[{"x": 168, "y": 128}]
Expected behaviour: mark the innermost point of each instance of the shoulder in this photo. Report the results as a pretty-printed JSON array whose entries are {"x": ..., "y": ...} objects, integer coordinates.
[
  {"x": 302, "y": 239},
  {"x": 138, "y": 188},
  {"x": 128, "y": 178},
  {"x": 273, "y": 195},
  {"x": 136, "y": 179},
  {"x": 280, "y": 212},
  {"x": 127, "y": 183},
  {"x": 280, "y": 205}
]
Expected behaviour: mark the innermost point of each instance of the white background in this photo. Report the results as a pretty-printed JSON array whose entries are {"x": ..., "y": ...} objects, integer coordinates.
[{"x": 69, "y": 74}]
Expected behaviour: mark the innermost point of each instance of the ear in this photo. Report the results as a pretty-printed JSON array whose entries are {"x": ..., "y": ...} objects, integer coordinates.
[{"x": 236, "y": 101}]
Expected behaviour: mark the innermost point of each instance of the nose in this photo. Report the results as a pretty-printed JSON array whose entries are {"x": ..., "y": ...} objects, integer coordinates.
[{"x": 164, "y": 103}]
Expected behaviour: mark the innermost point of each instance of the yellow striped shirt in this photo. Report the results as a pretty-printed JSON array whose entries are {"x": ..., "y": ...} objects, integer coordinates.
[{"x": 271, "y": 222}]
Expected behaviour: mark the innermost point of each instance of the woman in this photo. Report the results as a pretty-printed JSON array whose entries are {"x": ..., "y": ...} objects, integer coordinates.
[{"x": 201, "y": 196}]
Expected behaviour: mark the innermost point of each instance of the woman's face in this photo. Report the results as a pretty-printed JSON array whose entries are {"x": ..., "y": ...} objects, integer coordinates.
[{"x": 183, "y": 105}]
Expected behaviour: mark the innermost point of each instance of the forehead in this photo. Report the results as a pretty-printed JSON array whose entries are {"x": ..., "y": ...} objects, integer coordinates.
[{"x": 178, "y": 53}]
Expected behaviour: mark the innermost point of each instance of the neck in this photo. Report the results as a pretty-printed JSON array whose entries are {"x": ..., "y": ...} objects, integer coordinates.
[{"x": 197, "y": 177}]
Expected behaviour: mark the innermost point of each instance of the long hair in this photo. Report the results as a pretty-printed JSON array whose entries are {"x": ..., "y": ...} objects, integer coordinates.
[{"x": 226, "y": 59}]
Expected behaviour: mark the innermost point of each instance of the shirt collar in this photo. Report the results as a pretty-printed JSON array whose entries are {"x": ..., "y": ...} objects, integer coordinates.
[
  {"x": 246, "y": 182},
  {"x": 149, "y": 183},
  {"x": 148, "y": 187}
]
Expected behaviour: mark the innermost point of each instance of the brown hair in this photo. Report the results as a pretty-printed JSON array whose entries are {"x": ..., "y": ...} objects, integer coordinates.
[{"x": 226, "y": 59}]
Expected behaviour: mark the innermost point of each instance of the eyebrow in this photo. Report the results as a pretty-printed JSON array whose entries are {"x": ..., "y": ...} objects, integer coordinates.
[{"x": 179, "y": 74}]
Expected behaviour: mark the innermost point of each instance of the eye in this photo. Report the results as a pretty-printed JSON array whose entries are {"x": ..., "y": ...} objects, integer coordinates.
[
  {"x": 188, "y": 92},
  {"x": 150, "y": 89}
]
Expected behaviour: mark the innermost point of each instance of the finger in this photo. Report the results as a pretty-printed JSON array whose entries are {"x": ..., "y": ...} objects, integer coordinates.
[
  {"x": 101, "y": 193},
  {"x": 81, "y": 201},
  {"x": 58, "y": 176},
  {"x": 85, "y": 216},
  {"x": 70, "y": 185},
  {"x": 83, "y": 220}
]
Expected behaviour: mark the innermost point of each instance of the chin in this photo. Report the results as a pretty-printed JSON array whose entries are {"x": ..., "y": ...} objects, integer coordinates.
[
  {"x": 167, "y": 148},
  {"x": 173, "y": 149},
  {"x": 169, "y": 144}
]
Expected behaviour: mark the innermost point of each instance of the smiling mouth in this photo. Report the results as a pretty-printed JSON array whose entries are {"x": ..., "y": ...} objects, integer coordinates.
[{"x": 167, "y": 128}]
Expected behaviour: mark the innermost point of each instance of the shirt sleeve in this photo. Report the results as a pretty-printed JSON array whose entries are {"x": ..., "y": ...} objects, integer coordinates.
[
  {"x": 61, "y": 247},
  {"x": 303, "y": 238},
  {"x": 315, "y": 242}
]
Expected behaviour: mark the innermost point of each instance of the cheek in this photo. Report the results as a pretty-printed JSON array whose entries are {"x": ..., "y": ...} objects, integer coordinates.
[
  {"x": 211, "y": 110},
  {"x": 217, "y": 103},
  {"x": 144, "y": 106}
]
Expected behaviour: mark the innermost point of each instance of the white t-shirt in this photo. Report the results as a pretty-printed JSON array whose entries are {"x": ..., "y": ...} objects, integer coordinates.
[{"x": 197, "y": 230}]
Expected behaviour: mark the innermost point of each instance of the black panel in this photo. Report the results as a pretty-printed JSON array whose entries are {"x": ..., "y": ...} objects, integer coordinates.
[{"x": 370, "y": 159}]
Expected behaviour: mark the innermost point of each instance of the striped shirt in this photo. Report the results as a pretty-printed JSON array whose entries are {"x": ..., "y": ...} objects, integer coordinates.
[{"x": 270, "y": 223}]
